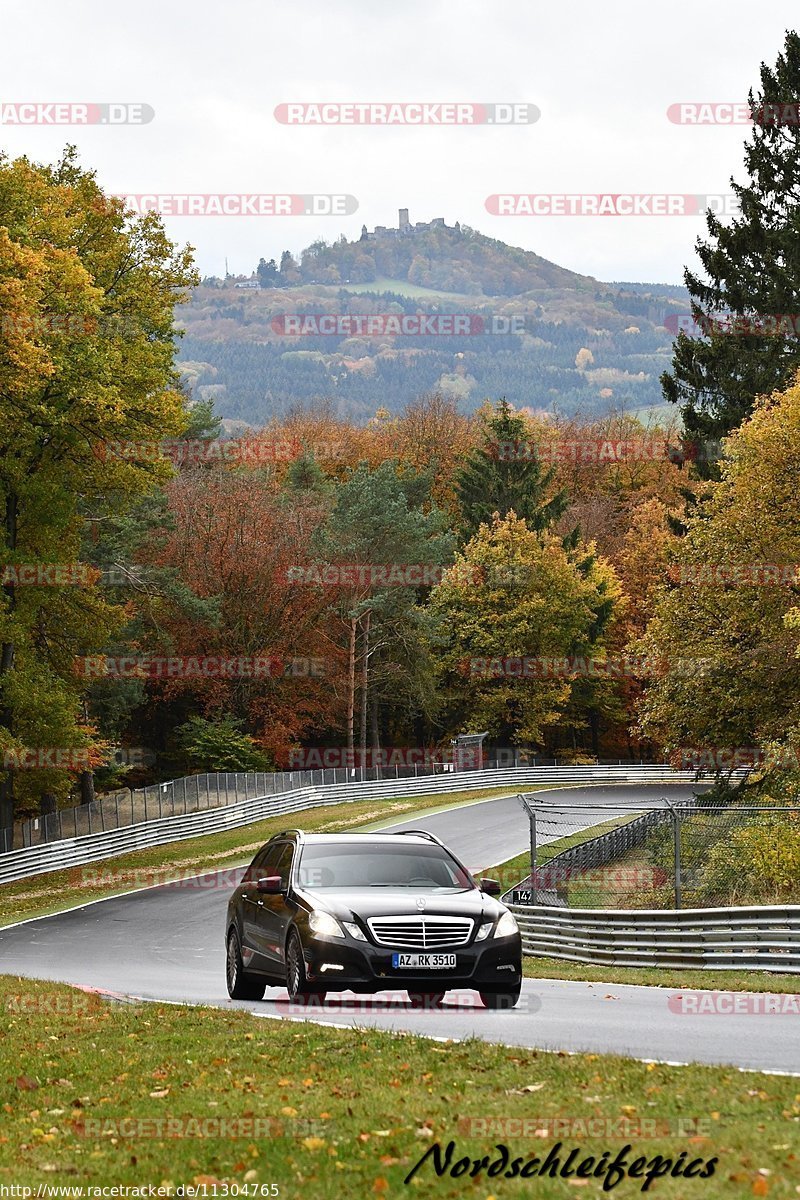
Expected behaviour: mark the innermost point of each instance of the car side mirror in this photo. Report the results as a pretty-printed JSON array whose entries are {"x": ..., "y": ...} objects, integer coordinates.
[
  {"x": 270, "y": 885},
  {"x": 491, "y": 887}
]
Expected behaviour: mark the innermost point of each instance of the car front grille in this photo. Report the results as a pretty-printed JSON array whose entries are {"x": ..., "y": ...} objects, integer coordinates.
[{"x": 420, "y": 933}]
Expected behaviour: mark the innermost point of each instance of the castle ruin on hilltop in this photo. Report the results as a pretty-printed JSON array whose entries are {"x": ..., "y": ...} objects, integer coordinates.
[{"x": 404, "y": 227}]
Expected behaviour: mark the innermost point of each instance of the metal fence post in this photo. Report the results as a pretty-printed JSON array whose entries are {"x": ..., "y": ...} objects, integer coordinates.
[
  {"x": 676, "y": 844},
  {"x": 533, "y": 843}
]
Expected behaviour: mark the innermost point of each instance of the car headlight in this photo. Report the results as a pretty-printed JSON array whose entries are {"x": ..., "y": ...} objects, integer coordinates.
[
  {"x": 355, "y": 931},
  {"x": 484, "y": 932},
  {"x": 506, "y": 926},
  {"x": 324, "y": 925}
]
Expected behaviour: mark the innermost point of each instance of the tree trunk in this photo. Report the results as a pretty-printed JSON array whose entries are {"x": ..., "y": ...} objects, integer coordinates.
[
  {"x": 594, "y": 724},
  {"x": 86, "y": 783},
  {"x": 365, "y": 688},
  {"x": 7, "y": 664},
  {"x": 373, "y": 721},
  {"x": 47, "y": 804},
  {"x": 351, "y": 683}
]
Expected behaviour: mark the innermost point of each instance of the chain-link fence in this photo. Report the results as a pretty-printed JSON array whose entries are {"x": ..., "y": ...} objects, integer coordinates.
[
  {"x": 192, "y": 793},
  {"x": 667, "y": 855}
]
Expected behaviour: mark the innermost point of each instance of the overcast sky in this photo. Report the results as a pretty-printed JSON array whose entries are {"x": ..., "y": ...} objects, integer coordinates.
[{"x": 603, "y": 77}]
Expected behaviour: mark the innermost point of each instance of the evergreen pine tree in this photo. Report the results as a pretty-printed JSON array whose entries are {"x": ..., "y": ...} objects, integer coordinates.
[
  {"x": 751, "y": 270},
  {"x": 505, "y": 474}
]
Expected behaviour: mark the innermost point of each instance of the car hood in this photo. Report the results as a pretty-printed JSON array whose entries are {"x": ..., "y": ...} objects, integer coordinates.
[{"x": 388, "y": 902}]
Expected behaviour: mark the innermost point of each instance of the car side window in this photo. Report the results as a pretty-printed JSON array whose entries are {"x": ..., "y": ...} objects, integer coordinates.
[
  {"x": 261, "y": 865},
  {"x": 283, "y": 865}
]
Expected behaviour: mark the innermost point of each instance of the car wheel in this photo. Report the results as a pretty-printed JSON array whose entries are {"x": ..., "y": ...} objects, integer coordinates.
[
  {"x": 296, "y": 983},
  {"x": 426, "y": 999},
  {"x": 500, "y": 999},
  {"x": 241, "y": 984}
]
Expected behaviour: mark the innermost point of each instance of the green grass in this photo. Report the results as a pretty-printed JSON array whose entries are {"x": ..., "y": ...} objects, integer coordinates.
[
  {"x": 401, "y": 287},
  {"x": 668, "y": 977},
  {"x": 347, "y": 1114},
  {"x": 57, "y": 890}
]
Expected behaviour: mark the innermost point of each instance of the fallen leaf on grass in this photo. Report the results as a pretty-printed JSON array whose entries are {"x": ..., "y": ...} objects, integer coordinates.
[{"x": 313, "y": 1143}]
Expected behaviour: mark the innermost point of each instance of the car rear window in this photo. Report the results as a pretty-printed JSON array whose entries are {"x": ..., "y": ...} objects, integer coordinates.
[{"x": 375, "y": 865}]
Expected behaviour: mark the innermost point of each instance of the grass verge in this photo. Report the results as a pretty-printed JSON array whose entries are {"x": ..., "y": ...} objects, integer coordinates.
[
  {"x": 669, "y": 977},
  {"x": 89, "y": 1090},
  {"x": 57, "y": 890}
]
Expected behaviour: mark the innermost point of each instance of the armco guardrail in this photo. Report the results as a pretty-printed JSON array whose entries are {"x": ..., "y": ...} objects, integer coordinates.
[
  {"x": 72, "y": 852},
  {"x": 763, "y": 937},
  {"x": 191, "y": 793}
]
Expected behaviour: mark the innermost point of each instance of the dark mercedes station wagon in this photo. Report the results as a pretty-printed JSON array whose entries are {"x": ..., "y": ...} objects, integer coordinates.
[{"x": 368, "y": 912}]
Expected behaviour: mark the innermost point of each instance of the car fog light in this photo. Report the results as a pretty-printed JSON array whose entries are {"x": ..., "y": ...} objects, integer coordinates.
[{"x": 331, "y": 967}]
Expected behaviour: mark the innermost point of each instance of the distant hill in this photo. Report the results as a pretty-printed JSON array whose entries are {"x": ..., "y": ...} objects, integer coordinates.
[
  {"x": 428, "y": 254},
  {"x": 341, "y": 322}
]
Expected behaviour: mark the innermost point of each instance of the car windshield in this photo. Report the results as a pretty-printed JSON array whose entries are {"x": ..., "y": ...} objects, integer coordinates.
[{"x": 380, "y": 866}]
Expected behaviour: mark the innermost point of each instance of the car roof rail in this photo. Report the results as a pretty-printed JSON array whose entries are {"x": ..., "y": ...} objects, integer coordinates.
[{"x": 422, "y": 833}]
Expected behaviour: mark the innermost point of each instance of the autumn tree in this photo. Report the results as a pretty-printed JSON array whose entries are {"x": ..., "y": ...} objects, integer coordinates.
[
  {"x": 87, "y": 293},
  {"x": 384, "y": 517},
  {"x": 514, "y": 594},
  {"x": 725, "y": 621},
  {"x": 239, "y": 541}
]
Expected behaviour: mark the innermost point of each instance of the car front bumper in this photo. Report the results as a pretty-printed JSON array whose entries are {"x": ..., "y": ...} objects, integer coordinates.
[{"x": 346, "y": 965}]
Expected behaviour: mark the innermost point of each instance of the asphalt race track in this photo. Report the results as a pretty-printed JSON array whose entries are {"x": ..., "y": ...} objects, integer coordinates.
[{"x": 166, "y": 943}]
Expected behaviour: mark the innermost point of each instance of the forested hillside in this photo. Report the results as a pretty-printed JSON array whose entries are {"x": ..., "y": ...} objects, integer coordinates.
[{"x": 555, "y": 340}]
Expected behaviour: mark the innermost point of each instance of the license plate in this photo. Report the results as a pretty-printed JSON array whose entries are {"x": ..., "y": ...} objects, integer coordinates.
[{"x": 424, "y": 962}]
